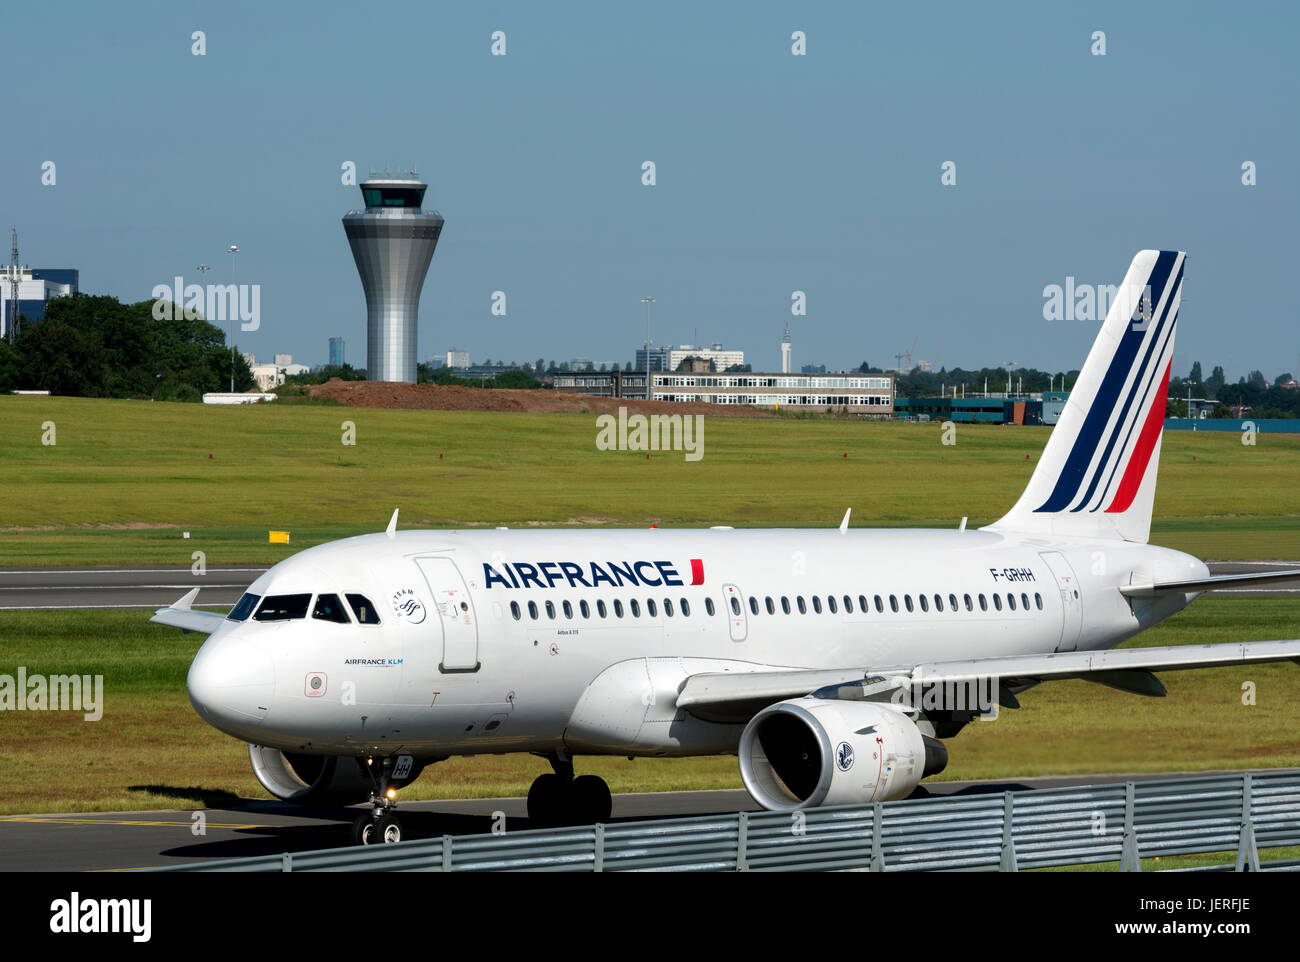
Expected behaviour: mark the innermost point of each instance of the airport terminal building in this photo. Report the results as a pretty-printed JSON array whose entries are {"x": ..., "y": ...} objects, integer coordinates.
[{"x": 868, "y": 395}]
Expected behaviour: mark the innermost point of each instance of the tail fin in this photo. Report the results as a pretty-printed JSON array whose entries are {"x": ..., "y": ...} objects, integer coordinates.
[{"x": 1097, "y": 475}]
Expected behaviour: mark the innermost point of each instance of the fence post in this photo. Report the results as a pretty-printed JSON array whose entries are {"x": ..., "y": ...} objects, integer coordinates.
[
  {"x": 1008, "y": 861},
  {"x": 742, "y": 843},
  {"x": 446, "y": 853},
  {"x": 598, "y": 849},
  {"x": 1130, "y": 860},
  {"x": 877, "y": 850},
  {"x": 1247, "y": 853},
  {"x": 286, "y": 862}
]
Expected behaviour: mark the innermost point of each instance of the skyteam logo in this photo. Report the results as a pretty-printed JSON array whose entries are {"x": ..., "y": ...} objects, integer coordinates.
[
  {"x": 844, "y": 756},
  {"x": 407, "y": 606}
]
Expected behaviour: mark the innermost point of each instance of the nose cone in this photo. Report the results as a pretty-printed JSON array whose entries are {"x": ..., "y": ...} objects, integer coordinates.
[{"x": 230, "y": 685}]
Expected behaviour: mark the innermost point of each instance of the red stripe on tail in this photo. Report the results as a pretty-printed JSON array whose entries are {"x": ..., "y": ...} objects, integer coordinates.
[{"x": 1146, "y": 443}]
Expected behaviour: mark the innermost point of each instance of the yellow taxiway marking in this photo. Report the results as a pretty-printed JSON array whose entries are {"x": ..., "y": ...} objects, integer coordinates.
[{"x": 124, "y": 821}]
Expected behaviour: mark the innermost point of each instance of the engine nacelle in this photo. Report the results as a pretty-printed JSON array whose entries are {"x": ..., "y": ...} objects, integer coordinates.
[
  {"x": 813, "y": 751},
  {"x": 310, "y": 779}
]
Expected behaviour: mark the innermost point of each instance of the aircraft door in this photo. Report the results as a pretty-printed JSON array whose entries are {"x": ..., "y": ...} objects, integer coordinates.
[
  {"x": 733, "y": 603},
  {"x": 1071, "y": 604},
  {"x": 456, "y": 609}
]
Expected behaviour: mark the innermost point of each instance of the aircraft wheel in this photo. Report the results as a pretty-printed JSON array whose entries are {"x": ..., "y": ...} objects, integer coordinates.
[
  {"x": 387, "y": 830},
  {"x": 547, "y": 800},
  {"x": 590, "y": 800}
]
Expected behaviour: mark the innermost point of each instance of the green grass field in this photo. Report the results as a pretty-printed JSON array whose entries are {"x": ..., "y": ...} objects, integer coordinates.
[
  {"x": 150, "y": 750},
  {"x": 124, "y": 479}
]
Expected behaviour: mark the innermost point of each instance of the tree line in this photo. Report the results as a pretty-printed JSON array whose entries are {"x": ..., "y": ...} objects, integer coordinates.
[{"x": 96, "y": 346}]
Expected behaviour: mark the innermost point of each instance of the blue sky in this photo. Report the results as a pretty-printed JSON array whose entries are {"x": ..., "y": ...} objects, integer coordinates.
[{"x": 775, "y": 173}]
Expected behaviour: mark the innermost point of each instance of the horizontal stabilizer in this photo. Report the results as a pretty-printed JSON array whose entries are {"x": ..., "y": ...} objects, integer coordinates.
[{"x": 1217, "y": 583}]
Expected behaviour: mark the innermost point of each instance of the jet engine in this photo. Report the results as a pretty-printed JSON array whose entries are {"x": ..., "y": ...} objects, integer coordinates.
[
  {"x": 310, "y": 779},
  {"x": 814, "y": 751}
]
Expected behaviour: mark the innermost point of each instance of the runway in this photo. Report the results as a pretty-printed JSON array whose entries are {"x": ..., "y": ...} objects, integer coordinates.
[
  {"x": 130, "y": 840},
  {"x": 65, "y": 589}
]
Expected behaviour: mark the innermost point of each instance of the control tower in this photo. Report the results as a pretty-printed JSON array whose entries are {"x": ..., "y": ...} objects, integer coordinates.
[{"x": 392, "y": 241}]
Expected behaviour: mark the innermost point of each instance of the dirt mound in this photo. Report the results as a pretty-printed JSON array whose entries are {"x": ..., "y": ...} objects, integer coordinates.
[{"x": 453, "y": 397}]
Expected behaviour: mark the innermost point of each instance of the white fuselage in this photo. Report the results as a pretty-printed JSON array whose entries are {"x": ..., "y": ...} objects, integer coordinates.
[{"x": 483, "y": 646}]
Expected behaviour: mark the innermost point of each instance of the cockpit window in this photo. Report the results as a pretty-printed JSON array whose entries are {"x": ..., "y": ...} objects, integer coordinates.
[
  {"x": 329, "y": 608},
  {"x": 244, "y": 607},
  {"x": 283, "y": 608},
  {"x": 363, "y": 609}
]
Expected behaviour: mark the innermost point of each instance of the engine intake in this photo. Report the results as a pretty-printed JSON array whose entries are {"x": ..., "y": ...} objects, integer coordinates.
[
  {"x": 812, "y": 751},
  {"x": 309, "y": 779}
]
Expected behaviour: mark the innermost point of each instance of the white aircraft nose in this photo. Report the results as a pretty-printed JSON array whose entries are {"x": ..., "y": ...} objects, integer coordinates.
[{"x": 230, "y": 684}]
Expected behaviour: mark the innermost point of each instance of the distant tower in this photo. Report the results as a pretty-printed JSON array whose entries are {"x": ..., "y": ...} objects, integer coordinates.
[
  {"x": 392, "y": 241},
  {"x": 785, "y": 351}
]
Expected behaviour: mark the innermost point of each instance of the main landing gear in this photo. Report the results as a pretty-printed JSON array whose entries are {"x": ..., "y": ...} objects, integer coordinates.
[
  {"x": 558, "y": 798},
  {"x": 380, "y": 825}
]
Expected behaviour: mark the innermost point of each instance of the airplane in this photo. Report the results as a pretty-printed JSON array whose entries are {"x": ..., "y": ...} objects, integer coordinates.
[{"x": 831, "y": 662}]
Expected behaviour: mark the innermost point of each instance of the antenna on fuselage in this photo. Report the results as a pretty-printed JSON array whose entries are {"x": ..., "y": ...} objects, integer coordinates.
[{"x": 392, "y": 523}]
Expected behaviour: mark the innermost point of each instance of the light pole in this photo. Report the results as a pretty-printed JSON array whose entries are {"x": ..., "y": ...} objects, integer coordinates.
[
  {"x": 233, "y": 251},
  {"x": 647, "y": 301}
]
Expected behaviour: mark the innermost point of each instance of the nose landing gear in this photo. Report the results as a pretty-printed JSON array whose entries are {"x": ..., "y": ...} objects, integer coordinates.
[
  {"x": 557, "y": 799},
  {"x": 380, "y": 825}
]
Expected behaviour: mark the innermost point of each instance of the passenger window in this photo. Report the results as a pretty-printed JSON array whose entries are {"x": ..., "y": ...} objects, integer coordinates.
[
  {"x": 363, "y": 609},
  {"x": 600, "y": 609},
  {"x": 708, "y": 606},
  {"x": 1024, "y": 601},
  {"x": 817, "y": 605},
  {"x": 785, "y": 604},
  {"x": 862, "y": 604},
  {"x": 650, "y": 608},
  {"x": 893, "y": 602},
  {"x": 283, "y": 608},
  {"x": 568, "y": 610},
  {"x": 735, "y": 605},
  {"x": 969, "y": 606},
  {"x": 532, "y": 610},
  {"x": 550, "y": 610},
  {"x": 952, "y": 602},
  {"x": 686, "y": 607},
  {"x": 329, "y": 608},
  {"x": 848, "y": 604},
  {"x": 907, "y": 600},
  {"x": 668, "y": 607},
  {"x": 618, "y": 608},
  {"x": 585, "y": 609},
  {"x": 997, "y": 601},
  {"x": 636, "y": 608},
  {"x": 1011, "y": 601},
  {"x": 803, "y": 609},
  {"x": 244, "y": 607},
  {"x": 925, "y": 605},
  {"x": 1038, "y": 600},
  {"x": 938, "y": 602},
  {"x": 984, "y": 605},
  {"x": 771, "y": 605},
  {"x": 830, "y": 601},
  {"x": 880, "y": 607},
  {"x": 514, "y": 609},
  {"x": 753, "y": 604}
]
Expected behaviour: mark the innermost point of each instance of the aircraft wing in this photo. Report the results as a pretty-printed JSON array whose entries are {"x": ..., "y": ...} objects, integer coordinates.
[
  {"x": 732, "y": 696},
  {"x": 1218, "y": 582},
  {"x": 181, "y": 614}
]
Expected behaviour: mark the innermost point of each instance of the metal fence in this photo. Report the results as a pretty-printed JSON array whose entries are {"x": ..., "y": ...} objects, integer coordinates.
[{"x": 994, "y": 832}]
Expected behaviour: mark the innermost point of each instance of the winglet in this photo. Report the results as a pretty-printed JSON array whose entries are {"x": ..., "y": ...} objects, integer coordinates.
[
  {"x": 392, "y": 523},
  {"x": 844, "y": 525},
  {"x": 186, "y": 602}
]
